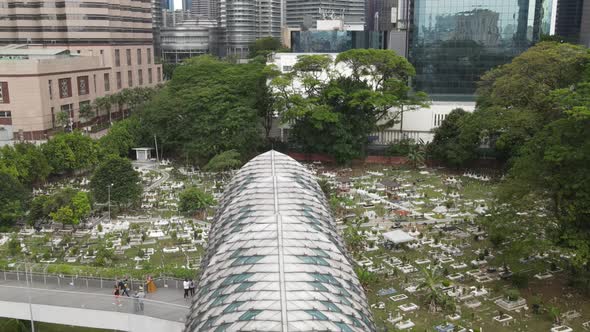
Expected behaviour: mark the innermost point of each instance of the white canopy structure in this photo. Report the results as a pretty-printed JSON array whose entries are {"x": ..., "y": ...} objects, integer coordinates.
[
  {"x": 275, "y": 261},
  {"x": 398, "y": 237}
]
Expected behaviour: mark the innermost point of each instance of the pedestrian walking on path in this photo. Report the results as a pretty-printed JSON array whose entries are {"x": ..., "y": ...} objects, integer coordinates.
[
  {"x": 123, "y": 287},
  {"x": 138, "y": 300},
  {"x": 117, "y": 294},
  {"x": 192, "y": 287},
  {"x": 186, "y": 285}
]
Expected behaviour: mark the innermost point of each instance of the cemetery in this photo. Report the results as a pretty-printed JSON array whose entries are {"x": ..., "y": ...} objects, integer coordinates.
[{"x": 422, "y": 255}]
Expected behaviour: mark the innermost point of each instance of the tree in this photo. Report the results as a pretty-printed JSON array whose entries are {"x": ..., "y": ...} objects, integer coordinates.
[
  {"x": 70, "y": 152},
  {"x": 455, "y": 140},
  {"x": 432, "y": 279},
  {"x": 81, "y": 207},
  {"x": 417, "y": 154},
  {"x": 192, "y": 200},
  {"x": 63, "y": 120},
  {"x": 264, "y": 46},
  {"x": 515, "y": 100},
  {"x": 64, "y": 216},
  {"x": 335, "y": 112},
  {"x": 223, "y": 162},
  {"x": 366, "y": 278},
  {"x": 25, "y": 161},
  {"x": 208, "y": 107},
  {"x": 105, "y": 104},
  {"x": 118, "y": 174},
  {"x": 87, "y": 111},
  {"x": 121, "y": 138},
  {"x": 13, "y": 199}
]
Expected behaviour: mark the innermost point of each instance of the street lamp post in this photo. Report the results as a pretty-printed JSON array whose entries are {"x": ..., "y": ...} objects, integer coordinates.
[{"x": 109, "y": 191}]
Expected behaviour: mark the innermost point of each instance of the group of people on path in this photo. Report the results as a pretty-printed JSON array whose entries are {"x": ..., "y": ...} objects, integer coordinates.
[
  {"x": 189, "y": 288},
  {"x": 122, "y": 288}
]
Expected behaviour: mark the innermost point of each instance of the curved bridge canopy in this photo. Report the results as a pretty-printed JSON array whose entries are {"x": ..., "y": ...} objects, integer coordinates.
[{"x": 275, "y": 261}]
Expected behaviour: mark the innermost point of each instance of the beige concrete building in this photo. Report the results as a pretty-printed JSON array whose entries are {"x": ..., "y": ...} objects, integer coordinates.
[{"x": 58, "y": 55}]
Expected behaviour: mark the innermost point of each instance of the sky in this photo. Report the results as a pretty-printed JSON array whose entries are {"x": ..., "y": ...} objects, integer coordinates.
[{"x": 177, "y": 4}]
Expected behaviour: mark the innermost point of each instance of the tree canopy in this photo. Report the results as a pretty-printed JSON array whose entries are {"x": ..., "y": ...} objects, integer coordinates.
[
  {"x": 193, "y": 200},
  {"x": 333, "y": 112},
  {"x": 208, "y": 107},
  {"x": 13, "y": 197},
  {"x": 117, "y": 174},
  {"x": 70, "y": 152},
  {"x": 223, "y": 162}
]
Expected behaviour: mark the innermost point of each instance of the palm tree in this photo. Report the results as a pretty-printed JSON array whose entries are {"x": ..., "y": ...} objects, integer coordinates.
[
  {"x": 417, "y": 154},
  {"x": 366, "y": 278},
  {"x": 432, "y": 279},
  {"x": 120, "y": 98},
  {"x": 103, "y": 103},
  {"x": 86, "y": 111}
]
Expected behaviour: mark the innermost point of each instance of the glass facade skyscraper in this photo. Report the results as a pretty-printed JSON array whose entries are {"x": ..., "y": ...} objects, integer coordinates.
[{"x": 453, "y": 42}]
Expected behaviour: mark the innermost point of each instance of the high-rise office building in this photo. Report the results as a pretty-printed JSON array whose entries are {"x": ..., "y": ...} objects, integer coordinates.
[
  {"x": 573, "y": 18},
  {"x": 245, "y": 21},
  {"x": 63, "y": 55},
  {"x": 585, "y": 24},
  {"x": 452, "y": 43},
  {"x": 157, "y": 26},
  {"x": 305, "y": 13}
]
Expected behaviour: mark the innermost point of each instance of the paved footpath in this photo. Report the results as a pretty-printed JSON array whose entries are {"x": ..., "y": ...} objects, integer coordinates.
[{"x": 165, "y": 303}]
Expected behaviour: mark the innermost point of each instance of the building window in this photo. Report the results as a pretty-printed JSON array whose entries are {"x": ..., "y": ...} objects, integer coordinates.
[
  {"x": 117, "y": 58},
  {"x": 149, "y": 56},
  {"x": 159, "y": 74},
  {"x": 94, "y": 82},
  {"x": 82, "y": 85},
  {"x": 140, "y": 76},
  {"x": 128, "y": 51},
  {"x": 150, "y": 80},
  {"x": 4, "y": 99},
  {"x": 65, "y": 87},
  {"x": 52, "y": 117},
  {"x": 139, "y": 56},
  {"x": 119, "y": 81},
  {"x": 5, "y": 114},
  {"x": 130, "y": 78},
  {"x": 287, "y": 68},
  {"x": 107, "y": 82},
  {"x": 50, "y": 86}
]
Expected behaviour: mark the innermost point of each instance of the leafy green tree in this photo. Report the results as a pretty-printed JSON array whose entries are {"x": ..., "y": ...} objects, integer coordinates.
[
  {"x": 224, "y": 161},
  {"x": 366, "y": 278},
  {"x": 70, "y": 152},
  {"x": 13, "y": 199},
  {"x": 103, "y": 104},
  {"x": 118, "y": 174},
  {"x": 264, "y": 46},
  {"x": 335, "y": 113},
  {"x": 26, "y": 162},
  {"x": 121, "y": 138},
  {"x": 193, "y": 200},
  {"x": 455, "y": 140},
  {"x": 63, "y": 119},
  {"x": 208, "y": 107},
  {"x": 63, "y": 215},
  {"x": 81, "y": 207},
  {"x": 37, "y": 210},
  {"x": 87, "y": 112},
  {"x": 515, "y": 100}
]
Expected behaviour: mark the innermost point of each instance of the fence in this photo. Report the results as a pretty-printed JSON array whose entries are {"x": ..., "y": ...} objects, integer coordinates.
[{"x": 79, "y": 281}]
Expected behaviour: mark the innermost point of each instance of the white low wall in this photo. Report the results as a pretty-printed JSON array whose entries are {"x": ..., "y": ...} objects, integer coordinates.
[{"x": 87, "y": 317}]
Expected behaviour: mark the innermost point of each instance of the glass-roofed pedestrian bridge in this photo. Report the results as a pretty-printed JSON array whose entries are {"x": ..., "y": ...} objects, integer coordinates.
[{"x": 275, "y": 261}]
